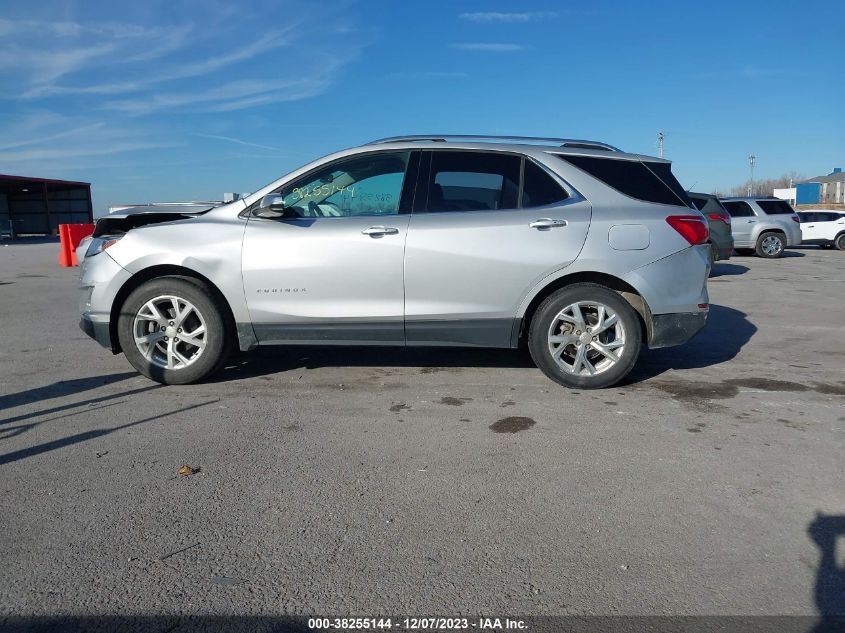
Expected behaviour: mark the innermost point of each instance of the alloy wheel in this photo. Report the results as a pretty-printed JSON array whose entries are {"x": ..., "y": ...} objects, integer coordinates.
[
  {"x": 586, "y": 338},
  {"x": 771, "y": 245},
  {"x": 170, "y": 332}
]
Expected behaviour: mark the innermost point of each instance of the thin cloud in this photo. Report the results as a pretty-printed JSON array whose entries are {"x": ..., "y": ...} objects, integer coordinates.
[
  {"x": 49, "y": 138},
  {"x": 429, "y": 74},
  {"x": 489, "y": 47},
  {"x": 487, "y": 17},
  {"x": 268, "y": 41},
  {"x": 71, "y": 47},
  {"x": 227, "y": 98},
  {"x": 238, "y": 141},
  {"x": 53, "y": 153},
  {"x": 52, "y": 137}
]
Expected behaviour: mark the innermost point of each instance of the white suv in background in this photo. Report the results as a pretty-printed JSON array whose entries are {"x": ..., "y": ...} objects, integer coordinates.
[{"x": 824, "y": 228}]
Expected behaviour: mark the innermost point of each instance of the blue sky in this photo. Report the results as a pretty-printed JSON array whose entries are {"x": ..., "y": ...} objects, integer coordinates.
[{"x": 187, "y": 99}]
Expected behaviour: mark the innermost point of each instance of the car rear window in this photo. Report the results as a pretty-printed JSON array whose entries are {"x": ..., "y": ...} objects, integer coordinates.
[
  {"x": 738, "y": 209},
  {"x": 647, "y": 181},
  {"x": 707, "y": 204},
  {"x": 775, "y": 207}
]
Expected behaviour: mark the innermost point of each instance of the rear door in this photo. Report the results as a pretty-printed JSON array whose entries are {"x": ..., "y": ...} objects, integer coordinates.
[
  {"x": 486, "y": 227},
  {"x": 743, "y": 221}
]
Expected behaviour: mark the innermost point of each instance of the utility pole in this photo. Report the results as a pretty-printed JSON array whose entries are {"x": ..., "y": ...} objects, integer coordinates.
[
  {"x": 751, "y": 160},
  {"x": 660, "y": 138}
]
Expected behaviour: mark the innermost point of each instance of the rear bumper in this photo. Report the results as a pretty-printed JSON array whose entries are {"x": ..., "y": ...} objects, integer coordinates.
[
  {"x": 668, "y": 330},
  {"x": 97, "y": 330}
]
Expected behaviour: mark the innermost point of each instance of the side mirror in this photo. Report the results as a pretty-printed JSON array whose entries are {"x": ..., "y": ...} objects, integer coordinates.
[{"x": 272, "y": 206}]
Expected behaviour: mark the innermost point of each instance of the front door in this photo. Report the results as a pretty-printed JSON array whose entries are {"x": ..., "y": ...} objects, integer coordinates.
[
  {"x": 330, "y": 270},
  {"x": 475, "y": 247}
]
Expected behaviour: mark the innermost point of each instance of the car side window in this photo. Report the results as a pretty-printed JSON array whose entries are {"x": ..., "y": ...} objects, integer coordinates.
[
  {"x": 362, "y": 185},
  {"x": 472, "y": 181},
  {"x": 539, "y": 188},
  {"x": 739, "y": 209}
]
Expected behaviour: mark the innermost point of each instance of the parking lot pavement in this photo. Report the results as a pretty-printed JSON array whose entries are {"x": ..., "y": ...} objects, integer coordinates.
[{"x": 358, "y": 481}]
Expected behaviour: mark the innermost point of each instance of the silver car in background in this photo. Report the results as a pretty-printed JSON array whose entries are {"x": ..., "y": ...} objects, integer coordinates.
[
  {"x": 763, "y": 225},
  {"x": 576, "y": 248}
]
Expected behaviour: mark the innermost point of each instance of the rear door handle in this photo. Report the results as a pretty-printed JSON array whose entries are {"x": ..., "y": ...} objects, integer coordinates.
[
  {"x": 546, "y": 223},
  {"x": 378, "y": 231},
  {"x": 751, "y": 221}
]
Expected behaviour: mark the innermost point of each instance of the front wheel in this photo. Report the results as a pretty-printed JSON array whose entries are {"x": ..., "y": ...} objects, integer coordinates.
[
  {"x": 585, "y": 336},
  {"x": 172, "y": 330}
]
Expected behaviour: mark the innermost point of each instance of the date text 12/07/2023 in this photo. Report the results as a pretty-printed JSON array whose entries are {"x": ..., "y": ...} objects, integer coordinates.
[{"x": 417, "y": 624}]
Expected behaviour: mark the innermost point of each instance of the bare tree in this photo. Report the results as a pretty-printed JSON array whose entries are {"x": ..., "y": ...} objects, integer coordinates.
[{"x": 763, "y": 187}]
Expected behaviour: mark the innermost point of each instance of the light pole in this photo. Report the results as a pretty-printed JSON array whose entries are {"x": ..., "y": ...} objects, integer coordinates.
[
  {"x": 660, "y": 139},
  {"x": 751, "y": 160}
]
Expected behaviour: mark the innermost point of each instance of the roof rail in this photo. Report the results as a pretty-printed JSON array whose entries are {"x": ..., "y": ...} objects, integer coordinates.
[{"x": 563, "y": 142}]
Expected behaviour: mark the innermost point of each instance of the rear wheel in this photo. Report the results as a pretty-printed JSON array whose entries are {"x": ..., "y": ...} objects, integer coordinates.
[
  {"x": 585, "y": 336},
  {"x": 172, "y": 330},
  {"x": 840, "y": 241},
  {"x": 770, "y": 245}
]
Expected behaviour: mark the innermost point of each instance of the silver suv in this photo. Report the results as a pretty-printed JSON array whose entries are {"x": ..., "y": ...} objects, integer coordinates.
[
  {"x": 765, "y": 225},
  {"x": 579, "y": 249}
]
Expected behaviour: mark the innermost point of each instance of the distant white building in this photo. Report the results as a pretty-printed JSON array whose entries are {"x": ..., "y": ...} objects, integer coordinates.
[{"x": 785, "y": 194}]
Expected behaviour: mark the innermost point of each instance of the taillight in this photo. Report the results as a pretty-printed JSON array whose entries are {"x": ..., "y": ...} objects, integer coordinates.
[
  {"x": 719, "y": 217},
  {"x": 693, "y": 228},
  {"x": 795, "y": 218}
]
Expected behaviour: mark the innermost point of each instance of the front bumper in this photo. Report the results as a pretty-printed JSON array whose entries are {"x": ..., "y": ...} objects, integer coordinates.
[
  {"x": 97, "y": 330},
  {"x": 668, "y": 330},
  {"x": 100, "y": 280}
]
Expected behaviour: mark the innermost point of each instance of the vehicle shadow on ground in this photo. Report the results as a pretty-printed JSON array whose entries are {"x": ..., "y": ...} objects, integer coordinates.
[
  {"x": 829, "y": 591},
  {"x": 89, "y": 435},
  {"x": 727, "y": 270},
  {"x": 726, "y": 333},
  {"x": 786, "y": 254},
  {"x": 269, "y": 360},
  {"x": 60, "y": 389}
]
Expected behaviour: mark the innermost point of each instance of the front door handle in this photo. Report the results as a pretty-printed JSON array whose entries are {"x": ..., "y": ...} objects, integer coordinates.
[
  {"x": 378, "y": 231},
  {"x": 546, "y": 223}
]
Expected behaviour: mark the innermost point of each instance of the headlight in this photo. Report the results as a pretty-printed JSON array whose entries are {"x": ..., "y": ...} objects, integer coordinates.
[{"x": 99, "y": 244}]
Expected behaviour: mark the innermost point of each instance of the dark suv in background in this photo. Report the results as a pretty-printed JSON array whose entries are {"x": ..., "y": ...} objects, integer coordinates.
[{"x": 719, "y": 220}]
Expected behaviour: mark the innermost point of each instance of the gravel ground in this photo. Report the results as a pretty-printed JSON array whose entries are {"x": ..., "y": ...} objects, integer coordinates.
[{"x": 378, "y": 481}]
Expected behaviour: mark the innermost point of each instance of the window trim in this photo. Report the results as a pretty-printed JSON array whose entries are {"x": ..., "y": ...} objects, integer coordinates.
[
  {"x": 249, "y": 212},
  {"x": 422, "y": 192}
]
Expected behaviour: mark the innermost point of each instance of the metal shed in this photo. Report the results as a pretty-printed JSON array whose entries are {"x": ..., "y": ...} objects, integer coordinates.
[{"x": 36, "y": 206}]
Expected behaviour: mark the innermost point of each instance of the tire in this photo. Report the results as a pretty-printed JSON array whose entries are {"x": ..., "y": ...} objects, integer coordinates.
[
  {"x": 161, "y": 355},
  {"x": 556, "y": 318},
  {"x": 839, "y": 242},
  {"x": 770, "y": 245}
]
